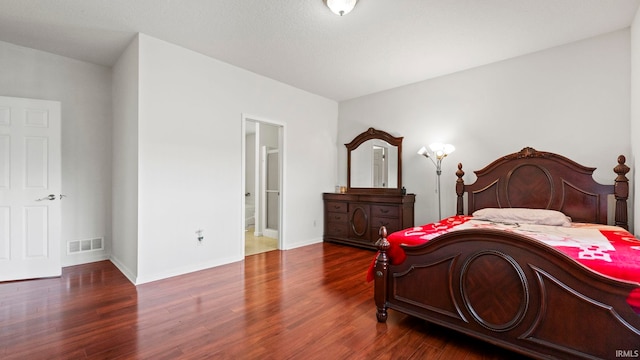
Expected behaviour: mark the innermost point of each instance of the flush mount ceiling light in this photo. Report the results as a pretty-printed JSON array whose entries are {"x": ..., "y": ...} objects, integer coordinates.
[{"x": 340, "y": 7}]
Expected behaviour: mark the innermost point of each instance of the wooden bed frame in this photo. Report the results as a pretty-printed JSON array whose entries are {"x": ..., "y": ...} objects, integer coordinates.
[{"x": 511, "y": 290}]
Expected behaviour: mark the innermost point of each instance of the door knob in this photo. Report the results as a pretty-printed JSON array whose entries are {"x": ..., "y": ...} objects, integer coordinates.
[{"x": 50, "y": 197}]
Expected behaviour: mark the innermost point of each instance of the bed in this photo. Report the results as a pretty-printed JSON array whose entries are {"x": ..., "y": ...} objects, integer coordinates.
[{"x": 510, "y": 289}]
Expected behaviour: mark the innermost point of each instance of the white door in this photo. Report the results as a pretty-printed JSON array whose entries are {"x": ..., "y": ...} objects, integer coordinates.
[{"x": 29, "y": 188}]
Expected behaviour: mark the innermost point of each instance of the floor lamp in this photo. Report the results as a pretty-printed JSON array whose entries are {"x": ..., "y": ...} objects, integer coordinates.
[{"x": 438, "y": 151}]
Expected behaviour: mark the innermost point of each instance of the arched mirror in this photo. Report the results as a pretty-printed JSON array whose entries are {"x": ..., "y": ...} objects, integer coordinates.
[{"x": 374, "y": 163}]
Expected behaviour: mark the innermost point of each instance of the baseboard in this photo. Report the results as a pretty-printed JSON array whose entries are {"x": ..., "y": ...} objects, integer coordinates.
[
  {"x": 185, "y": 270},
  {"x": 124, "y": 270},
  {"x": 303, "y": 243},
  {"x": 83, "y": 259}
]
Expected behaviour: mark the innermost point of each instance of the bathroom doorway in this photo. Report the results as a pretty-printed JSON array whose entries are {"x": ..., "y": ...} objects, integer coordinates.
[{"x": 262, "y": 177}]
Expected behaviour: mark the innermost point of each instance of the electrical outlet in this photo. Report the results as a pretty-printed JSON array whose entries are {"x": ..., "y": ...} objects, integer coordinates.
[{"x": 200, "y": 236}]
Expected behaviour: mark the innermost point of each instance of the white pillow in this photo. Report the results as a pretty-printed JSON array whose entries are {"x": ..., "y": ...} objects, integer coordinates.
[{"x": 523, "y": 216}]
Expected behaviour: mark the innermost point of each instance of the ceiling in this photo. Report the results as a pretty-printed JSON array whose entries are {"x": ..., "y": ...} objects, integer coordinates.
[{"x": 382, "y": 44}]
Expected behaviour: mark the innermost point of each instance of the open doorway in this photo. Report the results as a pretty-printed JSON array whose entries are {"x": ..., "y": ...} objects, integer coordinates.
[{"x": 262, "y": 177}]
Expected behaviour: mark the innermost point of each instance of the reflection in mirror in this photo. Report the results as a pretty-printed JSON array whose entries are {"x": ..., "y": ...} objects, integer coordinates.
[
  {"x": 379, "y": 166},
  {"x": 374, "y": 164}
]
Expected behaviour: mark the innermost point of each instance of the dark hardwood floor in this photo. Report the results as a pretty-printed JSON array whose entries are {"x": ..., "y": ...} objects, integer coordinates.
[{"x": 307, "y": 303}]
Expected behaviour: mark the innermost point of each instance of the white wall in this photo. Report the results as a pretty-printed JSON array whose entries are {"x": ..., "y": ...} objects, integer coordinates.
[
  {"x": 125, "y": 162},
  {"x": 189, "y": 160},
  {"x": 573, "y": 100},
  {"x": 85, "y": 93},
  {"x": 635, "y": 109}
]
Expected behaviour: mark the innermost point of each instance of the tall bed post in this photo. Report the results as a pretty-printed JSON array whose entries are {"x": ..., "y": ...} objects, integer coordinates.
[
  {"x": 381, "y": 270},
  {"x": 460, "y": 190},
  {"x": 621, "y": 191}
]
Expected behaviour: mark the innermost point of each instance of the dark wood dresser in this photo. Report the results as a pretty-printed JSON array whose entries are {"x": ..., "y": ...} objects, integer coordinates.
[{"x": 354, "y": 219}]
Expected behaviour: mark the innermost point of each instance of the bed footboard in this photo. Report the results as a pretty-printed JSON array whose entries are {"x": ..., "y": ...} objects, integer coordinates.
[{"x": 511, "y": 291}]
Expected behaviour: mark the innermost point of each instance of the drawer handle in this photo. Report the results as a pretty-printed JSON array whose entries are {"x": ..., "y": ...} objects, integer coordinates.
[
  {"x": 337, "y": 206},
  {"x": 337, "y": 217},
  {"x": 384, "y": 211}
]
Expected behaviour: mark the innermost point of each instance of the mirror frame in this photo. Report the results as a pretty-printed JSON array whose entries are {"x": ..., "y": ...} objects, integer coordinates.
[{"x": 373, "y": 134}]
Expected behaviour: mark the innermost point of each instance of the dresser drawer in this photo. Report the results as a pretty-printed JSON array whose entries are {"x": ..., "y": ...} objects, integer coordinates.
[
  {"x": 337, "y": 217},
  {"x": 384, "y": 211},
  {"x": 339, "y": 207},
  {"x": 390, "y": 223},
  {"x": 337, "y": 229}
]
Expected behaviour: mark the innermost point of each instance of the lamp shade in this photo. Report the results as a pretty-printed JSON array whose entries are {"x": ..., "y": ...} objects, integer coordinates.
[
  {"x": 441, "y": 150},
  {"x": 341, "y": 7}
]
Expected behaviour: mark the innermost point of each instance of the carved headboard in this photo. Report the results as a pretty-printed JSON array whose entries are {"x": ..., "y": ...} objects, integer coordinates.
[{"x": 544, "y": 180}]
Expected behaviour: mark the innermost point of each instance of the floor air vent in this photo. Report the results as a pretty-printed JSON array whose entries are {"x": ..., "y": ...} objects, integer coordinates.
[{"x": 80, "y": 246}]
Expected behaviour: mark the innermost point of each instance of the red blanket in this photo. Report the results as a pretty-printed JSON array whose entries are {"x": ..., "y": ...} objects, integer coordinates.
[{"x": 609, "y": 250}]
